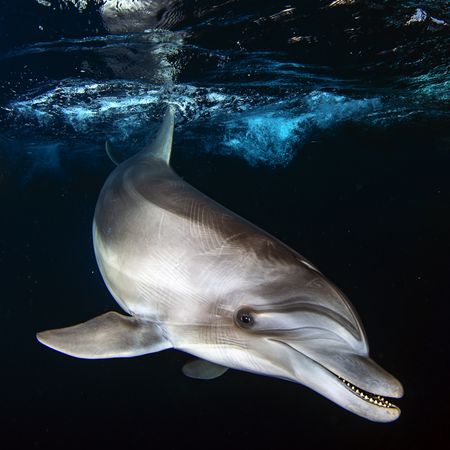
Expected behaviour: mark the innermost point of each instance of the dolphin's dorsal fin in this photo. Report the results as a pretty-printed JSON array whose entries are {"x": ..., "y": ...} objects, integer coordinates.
[
  {"x": 203, "y": 370},
  {"x": 161, "y": 147},
  {"x": 110, "y": 335}
]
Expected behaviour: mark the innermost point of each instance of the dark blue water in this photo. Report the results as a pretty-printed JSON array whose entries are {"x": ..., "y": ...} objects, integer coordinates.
[{"x": 325, "y": 123}]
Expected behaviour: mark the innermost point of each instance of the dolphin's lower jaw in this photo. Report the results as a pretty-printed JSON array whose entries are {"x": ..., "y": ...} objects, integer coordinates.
[{"x": 317, "y": 376}]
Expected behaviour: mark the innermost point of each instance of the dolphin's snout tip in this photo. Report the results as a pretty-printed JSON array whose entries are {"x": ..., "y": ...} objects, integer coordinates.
[
  {"x": 43, "y": 337},
  {"x": 398, "y": 390},
  {"x": 40, "y": 336},
  {"x": 390, "y": 387}
]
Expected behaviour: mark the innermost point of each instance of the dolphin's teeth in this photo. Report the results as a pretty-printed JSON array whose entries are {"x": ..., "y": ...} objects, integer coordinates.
[{"x": 367, "y": 396}]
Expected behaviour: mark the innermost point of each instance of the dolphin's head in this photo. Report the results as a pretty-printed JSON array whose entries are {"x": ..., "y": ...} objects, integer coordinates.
[{"x": 308, "y": 332}]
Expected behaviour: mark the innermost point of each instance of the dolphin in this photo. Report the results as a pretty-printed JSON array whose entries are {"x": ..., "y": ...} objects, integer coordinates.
[{"x": 193, "y": 276}]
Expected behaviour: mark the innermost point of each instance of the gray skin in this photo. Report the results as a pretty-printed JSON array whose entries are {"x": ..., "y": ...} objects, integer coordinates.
[{"x": 193, "y": 276}]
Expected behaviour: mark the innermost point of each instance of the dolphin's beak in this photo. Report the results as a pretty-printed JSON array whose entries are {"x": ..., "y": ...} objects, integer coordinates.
[{"x": 353, "y": 381}]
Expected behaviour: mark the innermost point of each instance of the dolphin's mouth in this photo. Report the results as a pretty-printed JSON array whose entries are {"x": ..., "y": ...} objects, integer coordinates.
[
  {"x": 369, "y": 397},
  {"x": 376, "y": 401}
]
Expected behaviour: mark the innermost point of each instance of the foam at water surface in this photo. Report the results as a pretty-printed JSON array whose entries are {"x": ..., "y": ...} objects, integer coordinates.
[
  {"x": 124, "y": 106},
  {"x": 271, "y": 137},
  {"x": 262, "y": 130}
]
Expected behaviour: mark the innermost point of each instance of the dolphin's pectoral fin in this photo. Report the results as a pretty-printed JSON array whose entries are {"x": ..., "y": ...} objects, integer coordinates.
[
  {"x": 110, "y": 335},
  {"x": 203, "y": 370}
]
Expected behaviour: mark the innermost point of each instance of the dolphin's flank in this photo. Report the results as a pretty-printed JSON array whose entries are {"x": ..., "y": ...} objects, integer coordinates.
[{"x": 194, "y": 276}]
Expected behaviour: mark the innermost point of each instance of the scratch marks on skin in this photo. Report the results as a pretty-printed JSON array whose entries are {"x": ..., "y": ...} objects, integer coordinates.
[
  {"x": 150, "y": 292},
  {"x": 228, "y": 243},
  {"x": 228, "y": 346},
  {"x": 203, "y": 225},
  {"x": 221, "y": 275},
  {"x": 233, "y": 349},
  {"x": 161, "y": 226},
  {"x": 216, "y": 277}
]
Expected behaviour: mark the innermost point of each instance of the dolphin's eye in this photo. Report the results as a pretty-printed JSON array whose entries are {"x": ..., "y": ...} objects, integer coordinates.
[{"x": 245, "y": 318}]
